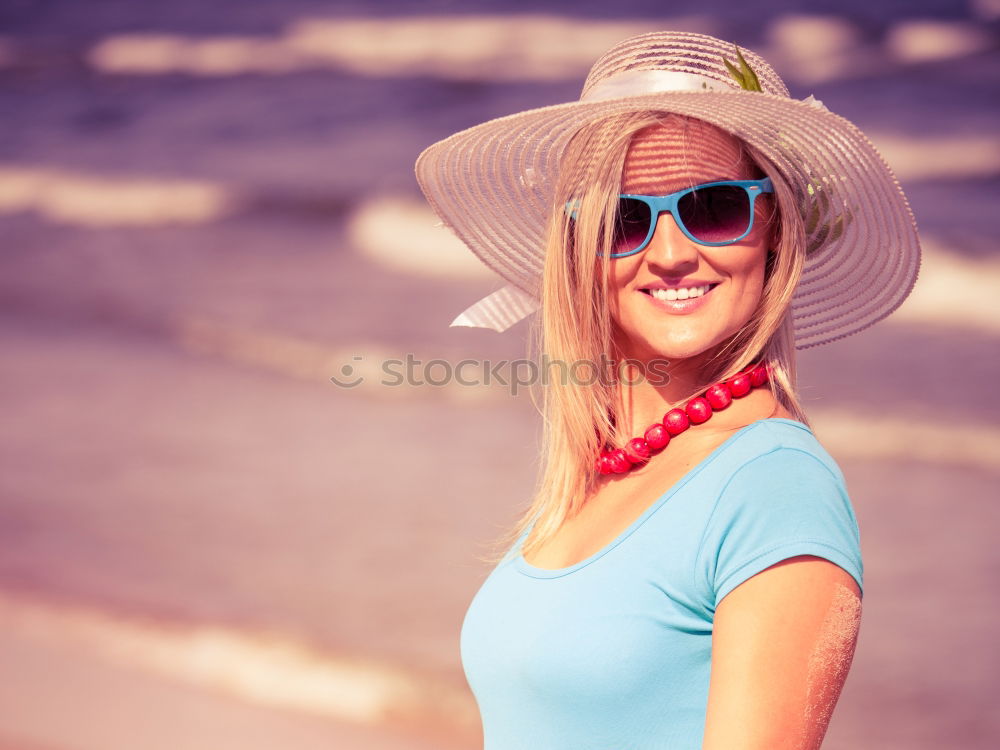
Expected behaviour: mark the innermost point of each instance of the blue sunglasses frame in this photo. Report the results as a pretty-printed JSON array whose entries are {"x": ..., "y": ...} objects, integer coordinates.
[{"x": 659, "y": 204}]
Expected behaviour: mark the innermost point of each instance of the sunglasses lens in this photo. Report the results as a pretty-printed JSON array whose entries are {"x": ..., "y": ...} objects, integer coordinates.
[
  {"x": 632, "y": 225},
  {"x": 716, "y": 214}
]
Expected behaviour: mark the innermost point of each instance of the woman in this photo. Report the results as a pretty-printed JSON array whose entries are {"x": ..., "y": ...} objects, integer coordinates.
[{"x": 689, "y": 573}]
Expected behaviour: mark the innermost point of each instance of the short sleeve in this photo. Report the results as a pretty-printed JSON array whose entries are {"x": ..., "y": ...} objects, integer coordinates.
[{"x": 781, "y": 504}]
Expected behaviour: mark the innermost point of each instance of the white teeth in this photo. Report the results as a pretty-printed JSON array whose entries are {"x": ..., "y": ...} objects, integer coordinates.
[{"x": 676, "y": 294}]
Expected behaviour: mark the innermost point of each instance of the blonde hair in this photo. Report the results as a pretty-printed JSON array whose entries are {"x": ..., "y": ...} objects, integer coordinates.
[{"x": 575, "y": 323}]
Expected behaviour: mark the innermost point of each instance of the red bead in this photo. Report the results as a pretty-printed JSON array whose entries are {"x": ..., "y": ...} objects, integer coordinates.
[
  {"x": 739, "y": 385},
  {"x": 719, "y": 396},
  {"x": 657, "y": 437},
  {"x": 637, "y": 450},
  {"x": 698, "y": 410},
  {"x": 759, "y": 376},
  {"x": 604, "y": 464},
  {"x": 676, "y": 421},
  {"x": 619, "y": 461}
]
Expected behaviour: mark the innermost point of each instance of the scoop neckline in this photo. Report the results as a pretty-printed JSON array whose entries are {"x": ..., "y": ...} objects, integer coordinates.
[{"x": 531, "y": 570}]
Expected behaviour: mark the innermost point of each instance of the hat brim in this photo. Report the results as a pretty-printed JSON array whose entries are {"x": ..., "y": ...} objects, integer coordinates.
[{"x": 493, "y": 185}]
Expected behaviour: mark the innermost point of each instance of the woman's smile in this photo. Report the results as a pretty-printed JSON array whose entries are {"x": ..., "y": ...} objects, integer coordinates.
[{"x": 679, "y": 300}]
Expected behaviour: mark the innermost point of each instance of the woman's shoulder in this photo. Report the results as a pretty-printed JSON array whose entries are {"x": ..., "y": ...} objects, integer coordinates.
[
  {"x": 781, "y": 494},
  {"x": 783, "y": 441}
]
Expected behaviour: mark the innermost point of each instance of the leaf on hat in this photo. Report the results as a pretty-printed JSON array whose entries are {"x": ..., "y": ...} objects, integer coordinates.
[
  {"x": 820, "y": 226},
  {"x": 743, "y": 75}
]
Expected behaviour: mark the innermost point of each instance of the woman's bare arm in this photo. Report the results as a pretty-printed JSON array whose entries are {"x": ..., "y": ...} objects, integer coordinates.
[{"x": 782, "y": 645}]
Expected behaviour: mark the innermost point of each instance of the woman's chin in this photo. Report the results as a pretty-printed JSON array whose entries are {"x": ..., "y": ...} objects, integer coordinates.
[{"x": 672, "y": 348}]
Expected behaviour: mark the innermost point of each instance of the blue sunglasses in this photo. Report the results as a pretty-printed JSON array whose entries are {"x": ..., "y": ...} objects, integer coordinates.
[{"x": 714, "y": 214}]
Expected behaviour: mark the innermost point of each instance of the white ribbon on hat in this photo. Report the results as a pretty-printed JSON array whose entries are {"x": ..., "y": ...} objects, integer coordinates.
[
  {"x": 639, "y": 82},
  {"x": 508, "y": 305},
  {"x": 499, "y": 310}
]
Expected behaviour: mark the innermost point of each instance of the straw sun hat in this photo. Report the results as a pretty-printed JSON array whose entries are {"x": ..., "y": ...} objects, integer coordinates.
[{"x": 493, "y": 183}]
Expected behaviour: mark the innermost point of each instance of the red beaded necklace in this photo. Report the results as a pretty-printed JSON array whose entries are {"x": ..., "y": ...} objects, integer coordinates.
[{"x": 698, "y": 410}]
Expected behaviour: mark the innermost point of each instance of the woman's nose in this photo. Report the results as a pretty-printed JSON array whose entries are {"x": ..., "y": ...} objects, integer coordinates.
[{"x": 669, "y": 248}]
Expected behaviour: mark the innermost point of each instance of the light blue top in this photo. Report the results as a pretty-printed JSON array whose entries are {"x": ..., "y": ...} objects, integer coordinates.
[{"x": 614, "y": 653}]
